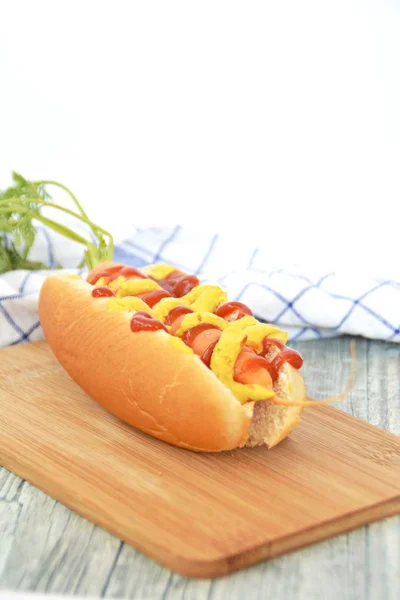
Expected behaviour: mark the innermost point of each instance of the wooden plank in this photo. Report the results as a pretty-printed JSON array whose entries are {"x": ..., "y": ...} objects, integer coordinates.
[
  {"x": 215, "y": 512},
  {"x": 344, "y": 566}
]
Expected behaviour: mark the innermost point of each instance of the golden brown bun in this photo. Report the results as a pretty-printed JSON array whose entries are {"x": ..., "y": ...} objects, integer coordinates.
[{"x": 142, "y": 379}]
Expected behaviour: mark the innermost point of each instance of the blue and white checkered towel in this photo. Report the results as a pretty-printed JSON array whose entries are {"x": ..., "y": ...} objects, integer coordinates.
[{"x": 306, "y": 304}]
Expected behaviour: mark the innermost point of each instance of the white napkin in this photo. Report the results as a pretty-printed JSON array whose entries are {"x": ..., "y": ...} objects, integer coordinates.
[{"x": 308, "y": 303}]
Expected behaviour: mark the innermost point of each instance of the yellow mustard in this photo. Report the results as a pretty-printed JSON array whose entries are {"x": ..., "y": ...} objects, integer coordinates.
[
  {"x": 179, "y": 345},
  {"x": 256, "y": 334},
  {"x": 114, "y": 285},
  {"x": 197, "y": 318},
  {"x": 203, "y": 300},
  {"x": 209, "y": 299},
  {"x": 129, "y": 303},
  {"x": 102, "y": 281},
  {"x": 131, "y": 287},
  {"x": 158, "y": 271},
  {"x": 244, "y": 322},
  {"x": 194, "y": 293},
  {"x": 223, "y": 361},
  {"x": 164, "y": 306}
]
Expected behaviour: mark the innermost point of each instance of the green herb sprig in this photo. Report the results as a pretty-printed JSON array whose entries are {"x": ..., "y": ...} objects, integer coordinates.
[{"x": 20, "y": 207}]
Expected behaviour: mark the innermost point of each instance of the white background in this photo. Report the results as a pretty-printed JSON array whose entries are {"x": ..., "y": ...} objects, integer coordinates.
[{"x": 276, "y": 120}]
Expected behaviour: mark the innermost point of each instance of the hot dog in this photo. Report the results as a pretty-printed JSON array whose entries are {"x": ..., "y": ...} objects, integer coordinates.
[{"x": 173, "y": 357}]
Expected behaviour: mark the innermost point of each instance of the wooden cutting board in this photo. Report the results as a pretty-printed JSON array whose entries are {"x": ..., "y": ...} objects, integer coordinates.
[{"x": 201, "y": 515}]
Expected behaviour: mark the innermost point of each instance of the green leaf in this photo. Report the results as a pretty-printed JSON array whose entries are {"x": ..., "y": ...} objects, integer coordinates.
[
  {"x": 6, "y": 263},
  {"x": 18, "y": 179},
  {"x": 29, "y": 265},
  {"x": 6, "y": 226},
  {"x": 17, "y": 237},
  {"x": 28, "y": 233},
  {"x": 28, "y": 230},
  {"x": 21, "y": 204}
]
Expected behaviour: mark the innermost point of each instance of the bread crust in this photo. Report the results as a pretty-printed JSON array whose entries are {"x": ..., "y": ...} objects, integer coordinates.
[{"x": 141, "y": 377}]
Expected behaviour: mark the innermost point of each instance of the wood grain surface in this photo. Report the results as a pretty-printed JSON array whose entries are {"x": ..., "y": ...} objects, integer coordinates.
[
  {"x": 46, "y": 548},
  {"x": 201, "y": 515}
]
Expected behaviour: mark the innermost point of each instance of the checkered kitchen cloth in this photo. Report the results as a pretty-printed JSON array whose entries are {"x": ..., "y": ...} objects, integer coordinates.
[{"x": 306, "y": 304}]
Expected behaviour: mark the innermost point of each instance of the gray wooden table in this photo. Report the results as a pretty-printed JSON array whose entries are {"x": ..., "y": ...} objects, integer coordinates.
[{"x": 45, "y": 547}]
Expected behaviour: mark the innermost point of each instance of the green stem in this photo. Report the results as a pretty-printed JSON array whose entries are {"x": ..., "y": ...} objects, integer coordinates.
[
  {"x": 14, "y": 208},
  {"x": 65, "y": 231},
  {"x": 71, "y": 194},
  {"x": 63, "y": 187},
  {"x": 58, "y": 207}
]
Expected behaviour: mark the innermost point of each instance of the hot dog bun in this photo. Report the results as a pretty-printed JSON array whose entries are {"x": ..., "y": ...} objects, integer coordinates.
[{"x": 148, "y": 383}]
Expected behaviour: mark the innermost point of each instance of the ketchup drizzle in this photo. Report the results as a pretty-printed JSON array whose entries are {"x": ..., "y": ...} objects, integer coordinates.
[
  {"x": 207, "y": 354},
  {"x": 290, "y": 356},
  {"x": 227, "y": 309},
  {"x": 179, "y": 284},
  {"x": 141, "y": 321},
  {"x": 177, "y": 312},
  {"x": 191, "y": 334},
  {"x": 151, "y": 298},
  {"x": 116, "y": 271},
  {"x": 285, "y": 355},
  {"x": 101, "y": 292}
]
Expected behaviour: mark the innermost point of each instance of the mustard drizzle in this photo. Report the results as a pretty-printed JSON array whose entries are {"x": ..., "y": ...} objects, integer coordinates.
[{"x": 203, "y": 300}]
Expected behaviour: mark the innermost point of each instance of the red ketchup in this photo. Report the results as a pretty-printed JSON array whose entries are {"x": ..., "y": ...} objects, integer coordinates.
[
  {"x": 253, "y": 360},
  {"x": 101, "y": 292},
  {"x": 230, "y": 308},
  {"x": 130, "y": 272},
  {"x": 290, "y": 356},
  {"x": 285, "y": 355},
  {"x": 175, "y": 313},
  {"x": 207, "y": 354},
  {"x": 178, "y": 284},
  {"x": 185, "y": 284},
  {"x": 141, "y": 321},
  {"x": 270, "y": 343},
  {"x": 189, "y": 337},
  {"x": 151, "y": 298},
  {"x": 191, "y": 334},
  {"x": 116, "y": 271},
  {"x": 107, "y": 272},
  {"x": 248, "y": 360}
]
